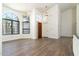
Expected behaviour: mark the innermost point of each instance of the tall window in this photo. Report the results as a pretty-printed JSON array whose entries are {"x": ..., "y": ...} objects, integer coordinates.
[
  {"x": 10, "y": 23},
  {"x": 26, "y": 25}
]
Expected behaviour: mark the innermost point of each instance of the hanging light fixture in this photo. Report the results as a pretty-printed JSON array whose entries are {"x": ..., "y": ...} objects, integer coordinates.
[
  {"x": 45, "y": 17},
  {"x": 46, "y": 14}
]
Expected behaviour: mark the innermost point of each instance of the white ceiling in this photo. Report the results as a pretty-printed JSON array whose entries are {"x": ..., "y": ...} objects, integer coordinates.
[
  {"x": 27, "y": 7},
  {"x": 64, "y": 6}
]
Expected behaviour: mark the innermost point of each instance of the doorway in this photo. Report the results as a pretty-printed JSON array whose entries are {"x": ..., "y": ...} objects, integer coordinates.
[{"x": 39, "y": 30}]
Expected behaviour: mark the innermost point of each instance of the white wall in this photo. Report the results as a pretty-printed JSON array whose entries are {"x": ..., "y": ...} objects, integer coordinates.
[
  {"x": 51, "y": 26},
  {"x": 33, "y": 24},
  {"x": 44, "y": 29},
  {"x": 68, "y": 22},
  {"x": 13, "y": 37},
  {"x": 0, "y": 30},
  {"x": 76, "y": 37},
  {"x": 78, "y": 19},
  {"x": 74, "y": 20},
  {"x": 44, "y": 25}
]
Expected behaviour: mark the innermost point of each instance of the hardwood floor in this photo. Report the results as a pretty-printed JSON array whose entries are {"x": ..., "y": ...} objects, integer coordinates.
[{"x": 41, "y": 47}]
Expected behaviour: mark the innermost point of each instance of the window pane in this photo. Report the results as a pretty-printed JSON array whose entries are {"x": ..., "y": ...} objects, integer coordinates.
[
  {"x": 15, "y": 27},
  {"x": 25, "y": 18},
  {"x": 8, "y": 14},
  {"x": 26, "y": 27},
  {"x": 6, "y": 27},
  {"x": 26, "y": 31}
]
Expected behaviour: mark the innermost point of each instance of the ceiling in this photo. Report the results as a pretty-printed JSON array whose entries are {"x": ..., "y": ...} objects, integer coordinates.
[
  {"x": 27, "y": 7},
  {"x": 65, "y": 6}
]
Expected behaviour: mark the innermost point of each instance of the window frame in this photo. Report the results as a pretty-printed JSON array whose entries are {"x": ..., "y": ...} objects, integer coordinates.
[
  {"x": 11, "y": 26},
  {"x": 25, "y": 28}
]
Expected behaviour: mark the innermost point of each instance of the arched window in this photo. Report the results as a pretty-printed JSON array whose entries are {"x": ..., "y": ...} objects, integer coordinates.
[
  {"x": 10, "y": 23},
  {"x": 9, "y": 15}
]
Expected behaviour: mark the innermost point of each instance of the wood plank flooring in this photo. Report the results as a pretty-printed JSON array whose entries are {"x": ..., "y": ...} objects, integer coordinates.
[{"x": 41, "y": 47}]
